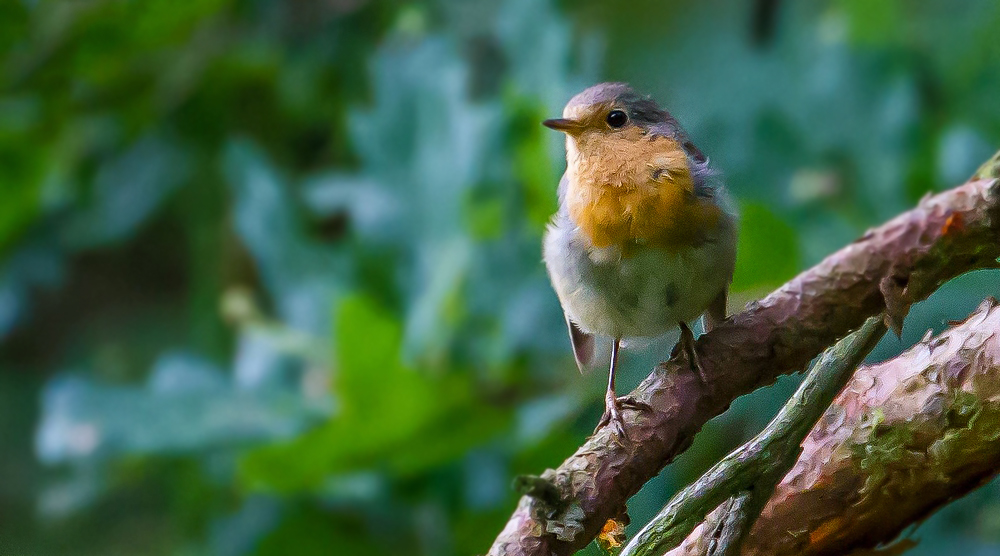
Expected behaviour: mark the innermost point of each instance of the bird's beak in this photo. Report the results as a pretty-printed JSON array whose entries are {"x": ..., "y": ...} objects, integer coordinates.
[{"x": 564, "y": 125}]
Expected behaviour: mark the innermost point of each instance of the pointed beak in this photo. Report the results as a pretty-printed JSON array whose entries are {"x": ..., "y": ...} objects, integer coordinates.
[{"x": 564, "y": 125}]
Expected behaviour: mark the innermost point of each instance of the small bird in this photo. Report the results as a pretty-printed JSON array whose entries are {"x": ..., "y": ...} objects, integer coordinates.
[{"x": 644, "y": 239}]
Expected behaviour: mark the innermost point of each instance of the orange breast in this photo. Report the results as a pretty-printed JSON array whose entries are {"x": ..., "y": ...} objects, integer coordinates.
[{"x": 629, "y": 189}]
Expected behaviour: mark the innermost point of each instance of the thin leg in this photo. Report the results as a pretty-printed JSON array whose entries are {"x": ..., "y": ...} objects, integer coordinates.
[
  {"x": 611, "y": 414},
  {"x": 613, "y": 404},
  {"x": 610, "y": 395},
  {"x": 686, "y": 343}
]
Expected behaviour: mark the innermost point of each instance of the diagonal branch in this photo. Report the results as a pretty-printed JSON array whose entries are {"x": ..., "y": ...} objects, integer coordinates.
[
  {"x": 887, "y": 269},
  {"x": 905, "y": 437},
  {"x": 768, "y": 456}
]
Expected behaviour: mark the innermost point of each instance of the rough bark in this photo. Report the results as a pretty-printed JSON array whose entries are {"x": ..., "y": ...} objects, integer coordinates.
[
  {"x": 904, "y": 438},
  {"x": 757, "y": 466},
  {"x": 887, "y": 269}
]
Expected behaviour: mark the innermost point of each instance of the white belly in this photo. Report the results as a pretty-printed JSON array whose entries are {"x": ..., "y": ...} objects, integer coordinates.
[{"x": 645, "y": 294}]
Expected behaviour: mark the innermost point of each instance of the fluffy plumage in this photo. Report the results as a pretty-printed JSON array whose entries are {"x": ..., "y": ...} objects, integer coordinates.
[{"x": 643, "y": 239}]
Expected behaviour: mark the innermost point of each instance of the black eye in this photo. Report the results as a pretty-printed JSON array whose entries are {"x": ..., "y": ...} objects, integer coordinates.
[{"x": 617, "y": 118}]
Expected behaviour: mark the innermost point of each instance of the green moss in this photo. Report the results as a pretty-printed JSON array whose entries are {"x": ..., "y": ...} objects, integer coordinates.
[
  {"x": 887, "y": 446},
  {"x": 964, "y": 410}
]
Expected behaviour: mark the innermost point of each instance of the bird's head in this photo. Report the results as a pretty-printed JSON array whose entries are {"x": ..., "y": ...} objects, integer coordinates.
[
  {"x": 632, "y": 175},
  {"x": 613, "y": 114}
]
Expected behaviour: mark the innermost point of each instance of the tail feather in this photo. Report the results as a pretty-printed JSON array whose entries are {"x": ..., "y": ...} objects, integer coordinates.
[{"x": 583, "y": 345}]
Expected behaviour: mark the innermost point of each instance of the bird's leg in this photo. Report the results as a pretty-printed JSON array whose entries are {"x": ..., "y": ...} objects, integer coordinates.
[
  {"x": 611, "y": 415},
  {"x": 612, "y": 404},
  {"x": 686, "y": 343}
]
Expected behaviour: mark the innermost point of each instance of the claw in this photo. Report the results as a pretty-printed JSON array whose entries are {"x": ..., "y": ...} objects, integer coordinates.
[
  {"x": 612, "y": 418},
  {"x": 632, "y": 403},
  {"x": 612, "y": 413},
  {"x": 613, "y": 404},
  {"x": 686, "y": 344}
]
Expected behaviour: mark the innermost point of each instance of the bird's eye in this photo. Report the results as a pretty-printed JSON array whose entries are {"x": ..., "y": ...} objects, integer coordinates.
[{"x": 617, "y": 118}]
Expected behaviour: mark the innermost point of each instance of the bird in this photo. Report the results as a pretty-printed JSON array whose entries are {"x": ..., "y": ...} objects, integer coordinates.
[{"x": 644, "y": 239}]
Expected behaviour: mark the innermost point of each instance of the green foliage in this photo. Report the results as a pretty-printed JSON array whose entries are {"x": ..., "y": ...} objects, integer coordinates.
[
  {"x": 876, "y": 23},
  {"x": 325, "y": 536},
  {"x": 390, "y": 416},
  {"x": 362, "y": 188},
  {"x": 768, "y": 251},
  {"x": 533, "y": 167}
]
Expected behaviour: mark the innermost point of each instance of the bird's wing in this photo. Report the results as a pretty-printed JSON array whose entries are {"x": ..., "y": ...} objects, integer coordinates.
[{"x": 583, "y": 344}]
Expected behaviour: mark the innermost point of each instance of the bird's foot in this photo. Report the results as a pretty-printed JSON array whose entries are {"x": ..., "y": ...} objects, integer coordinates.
[
  {"x": 612, "y": 413},
  {"x": 686, "y": 344}
]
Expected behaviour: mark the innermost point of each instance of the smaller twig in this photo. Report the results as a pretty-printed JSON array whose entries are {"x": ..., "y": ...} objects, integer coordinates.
[
  {"x": 727, "y": 532},
  {"x": 767, "y": 457},
  {"x": 538, "y": 487},
  {"x": 741, "y": 513}
]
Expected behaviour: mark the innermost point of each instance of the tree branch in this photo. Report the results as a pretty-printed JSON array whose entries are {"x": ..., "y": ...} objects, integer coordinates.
[
  {"x": 768, "y": 456},
  {"x": 739, "y": 514},
  {"x": 887, "y": 269},
  {"x": 905, "y": 437}
]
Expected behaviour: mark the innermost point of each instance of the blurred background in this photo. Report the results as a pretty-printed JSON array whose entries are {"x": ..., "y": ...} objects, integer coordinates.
[{"x": 270, "y": 276}]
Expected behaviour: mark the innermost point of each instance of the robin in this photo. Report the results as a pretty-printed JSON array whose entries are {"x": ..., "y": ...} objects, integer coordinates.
[{"x": 644, "y": 239}]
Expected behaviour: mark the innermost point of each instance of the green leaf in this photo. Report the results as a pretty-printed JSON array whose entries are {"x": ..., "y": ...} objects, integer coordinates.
[
  {"x": 21, "y": 190},
  {"x": 308, "y": 531},
  {"x": 768, "y": 250},
  {"x": 874, "y": 23},
  {"x": 391, "y": 416},
  {"x": 532, "y": 162}
]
